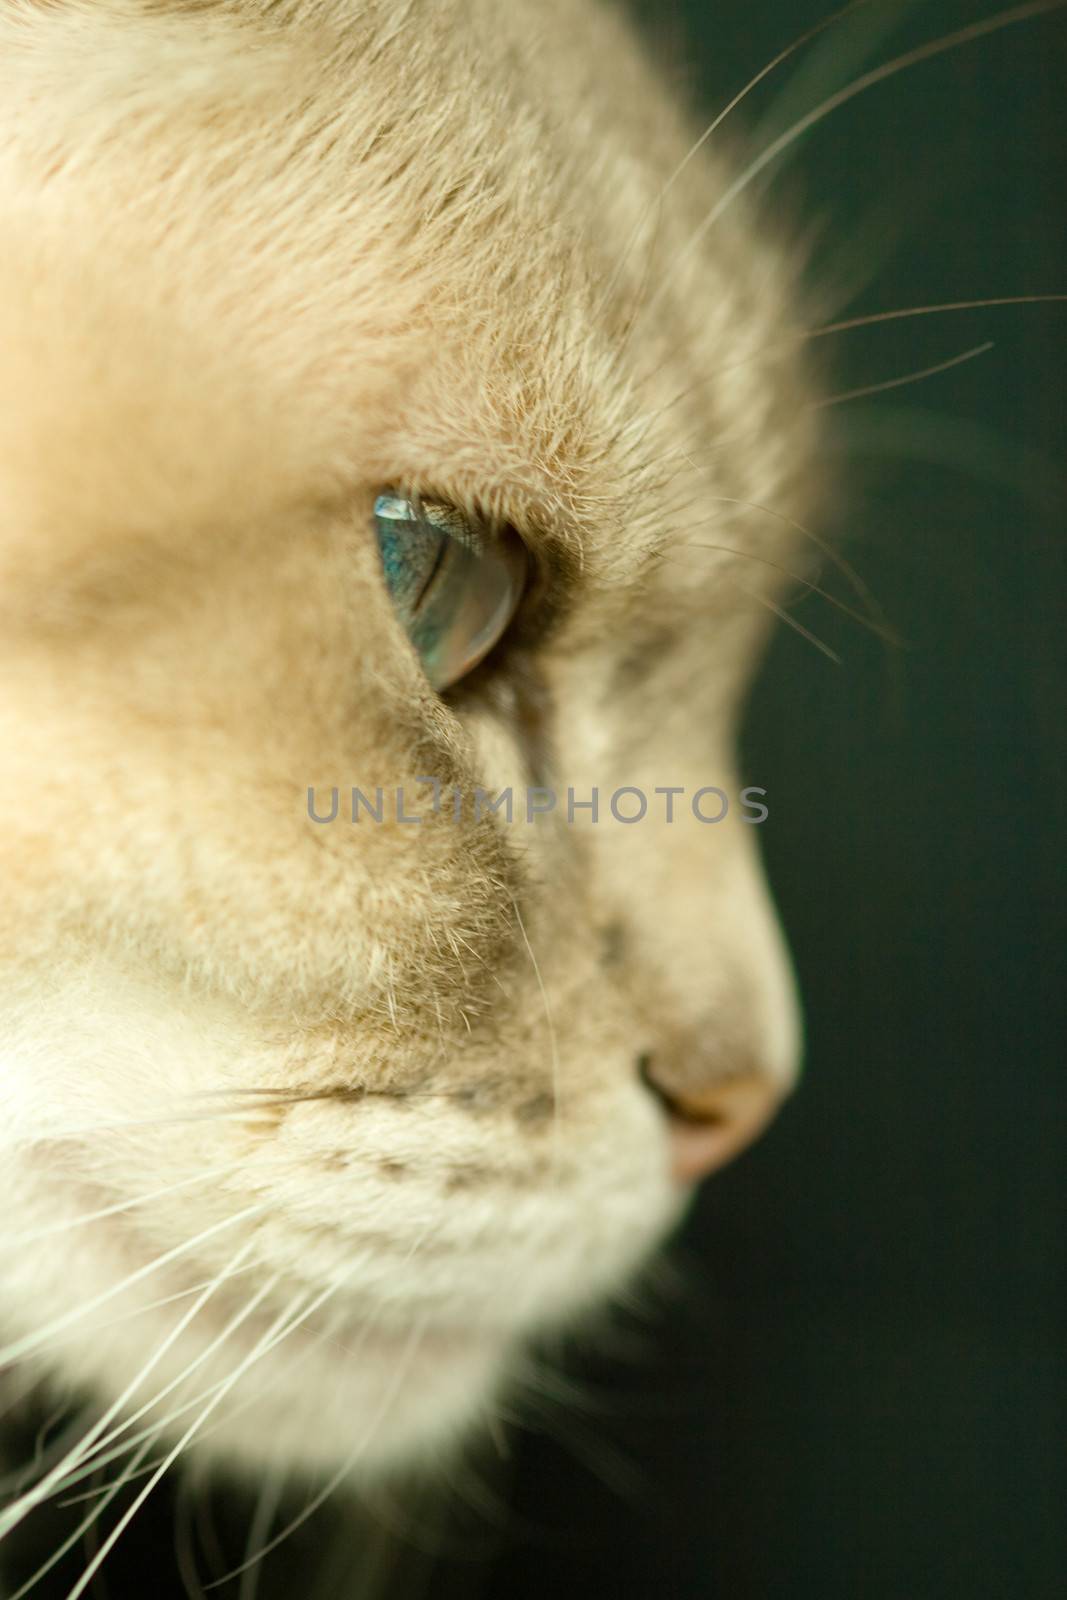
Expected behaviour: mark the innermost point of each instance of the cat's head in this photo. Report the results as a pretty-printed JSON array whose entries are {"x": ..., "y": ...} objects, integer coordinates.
[{"x": 406, "y": 1080}]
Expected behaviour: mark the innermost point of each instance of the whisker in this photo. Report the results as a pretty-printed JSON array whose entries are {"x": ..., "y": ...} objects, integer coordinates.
[
  {"x": 801, "y": 335},
  {"x": 783, "y": 55},
  {"x": 867, "y": 80},
  {"x": 266, "y": 1510},
  {"x": 91, "y": 1129},
  {"x": 104, "y": 1451},
  {"x": 81, "y": 1131},
  {"x": 883, "y": 633},
  {"x": 29, "y": 1342},
  {"x": 836, "y": 61},
  {"x": 848, "y": 323},
  {"x": 52, "y": 1228},
  {"x": 320, "y": 1299},
  {"x": 790, "y": 621},
  {"x": 12, "y": 1482},
  {"x": 876, "y": 618},
  {"x": 148, "y": 1436},
  {"x": 898, "y": 383},
  {"x": 168, "y": 1299},
  {"x": 337, "y": 1091},
  {"x": 711, "y": 129},
  {"x": 84, "y": 1526},
  {"x": 43, "y": 1488},
  {"x": 399, "y": 1377},
  {"x": 172, "y": 1456},
  {"x": 184, "y": 1541}
]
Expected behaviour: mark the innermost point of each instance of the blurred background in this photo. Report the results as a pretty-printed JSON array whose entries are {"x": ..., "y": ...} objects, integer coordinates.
[{"x": 858, "y": 1389}]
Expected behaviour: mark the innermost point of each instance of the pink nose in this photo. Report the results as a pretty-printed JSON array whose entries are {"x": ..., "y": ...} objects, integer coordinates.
[{"x": 709, "y": 1127}]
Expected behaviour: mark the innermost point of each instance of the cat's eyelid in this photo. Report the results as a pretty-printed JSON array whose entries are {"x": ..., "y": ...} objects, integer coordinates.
[{"x": 555, "y": 568}]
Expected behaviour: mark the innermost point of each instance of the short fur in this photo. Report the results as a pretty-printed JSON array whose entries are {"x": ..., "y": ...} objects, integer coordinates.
[{"x": 261, "y": 260}]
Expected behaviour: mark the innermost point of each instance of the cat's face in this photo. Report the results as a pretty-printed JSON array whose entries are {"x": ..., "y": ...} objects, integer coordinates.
[{"x": 387, "y": 1075}]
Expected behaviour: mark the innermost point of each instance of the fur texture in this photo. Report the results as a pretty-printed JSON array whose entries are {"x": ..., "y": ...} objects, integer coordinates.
[{"x": 261, "y": 260}]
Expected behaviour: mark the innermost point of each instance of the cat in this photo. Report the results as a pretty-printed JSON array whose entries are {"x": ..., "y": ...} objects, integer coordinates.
[{"x": 373, "y": 370}]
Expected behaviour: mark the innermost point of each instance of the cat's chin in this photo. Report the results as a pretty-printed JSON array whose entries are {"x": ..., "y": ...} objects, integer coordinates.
[{"x": 370, "y": 1404}]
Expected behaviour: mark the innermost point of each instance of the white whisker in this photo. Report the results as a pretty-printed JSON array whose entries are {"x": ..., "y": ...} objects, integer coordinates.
[
  {"x": 867, "y": 80},
  {"x": 267, "y": 1503},
  {"x": 83, "y": 1527},
  {"x": 101, "y": 1459},
  {"x": 104, "y": 1452},
  {"x": 31, "y": 1236},
  {"x": 390, "y": 1393},
  {"x": 172, "y": 1456},
  {"x": 33, "y": 1341},
  {"x": 716, "y": 123},
  {"x": 10, "y": 1517}
]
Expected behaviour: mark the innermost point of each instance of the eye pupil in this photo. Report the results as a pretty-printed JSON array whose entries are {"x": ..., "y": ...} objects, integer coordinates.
[{"x": 455, "y": 585}]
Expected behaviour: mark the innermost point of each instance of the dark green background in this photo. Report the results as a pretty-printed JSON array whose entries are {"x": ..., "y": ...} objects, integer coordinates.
[
  {"x": 868, "y": 1397},
  {"x": 860, "y": 1392}
]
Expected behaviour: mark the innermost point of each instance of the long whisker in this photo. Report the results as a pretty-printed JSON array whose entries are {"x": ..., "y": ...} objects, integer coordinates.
[
  {"x": 145, "y": 1439},
  {"x": 172, "y": 1456},
  {"x": 353, "y": 1092},
  {"x": 52, "y": 1228},
  {"x": 185, "y": 1559},
  {"x": 266, "y": 1510},
  {"x": 43, "y": 1488},
  {"x": 898, "y": 383},
  {"x": 319, "y": 1300},
  {"x": 353, "y": 1352},
  {"x": 845, "y": 326},
  {"x": 64, "y": 1135},
  {"x": 29, "y": 1342},
  {"x": 154, "y": 1429},
  {"x": 712, "y": 128},
  {"x": 790, "y": 622},
  {"x": 87, "y": 1522},
  {"x": 783, "y": 55},
  {"x": 342, "y": 1091},
  {"x": 147, "y": 1306},
  {"x": 876, "y": 618},
  {"x": 106, "y": 1450},
  {"x": 867, "y": 80},
  {"x": 11, "y": 1483},
  {"x": 813, "y": 588},
  {"x": 848, "y": 323},
  {"x": 399, "y": 1377}
]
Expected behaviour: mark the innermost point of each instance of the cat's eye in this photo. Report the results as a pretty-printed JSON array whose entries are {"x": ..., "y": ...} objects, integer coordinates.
[{"x": 455, "y": 585}]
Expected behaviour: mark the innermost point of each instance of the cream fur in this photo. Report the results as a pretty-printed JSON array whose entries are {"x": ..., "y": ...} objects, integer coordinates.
[{"x": 259, "y": 261}]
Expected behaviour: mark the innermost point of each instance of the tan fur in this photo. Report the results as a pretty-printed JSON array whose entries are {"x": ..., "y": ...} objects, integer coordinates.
[{"x": 261, "y": 260}]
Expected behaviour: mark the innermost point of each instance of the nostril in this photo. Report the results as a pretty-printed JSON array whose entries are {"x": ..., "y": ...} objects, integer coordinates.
[
  {"x": 708, "y": 1129},
  {"x": 673, "y": 1104}
]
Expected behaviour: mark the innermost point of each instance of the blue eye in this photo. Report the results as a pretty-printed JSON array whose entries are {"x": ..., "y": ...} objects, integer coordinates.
[{"x": 455, "y": 587}]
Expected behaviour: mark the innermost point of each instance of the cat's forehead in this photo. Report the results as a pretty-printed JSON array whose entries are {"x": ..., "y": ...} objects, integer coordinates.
[
  {"x": 243, "y": 261},
  {"x": 260, "y": 256}
]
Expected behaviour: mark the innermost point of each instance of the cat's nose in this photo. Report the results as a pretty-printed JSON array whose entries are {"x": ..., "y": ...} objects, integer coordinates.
[{"x": 709, "y": 1126}]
